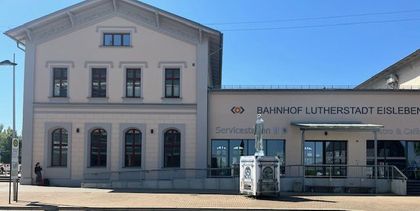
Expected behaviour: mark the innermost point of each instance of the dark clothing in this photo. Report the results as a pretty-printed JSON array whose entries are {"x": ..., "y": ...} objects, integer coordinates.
[{"x": 38, "y": 173}]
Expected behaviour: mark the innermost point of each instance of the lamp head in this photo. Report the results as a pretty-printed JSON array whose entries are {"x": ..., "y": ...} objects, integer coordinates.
[{"x": 7, "y": 63}]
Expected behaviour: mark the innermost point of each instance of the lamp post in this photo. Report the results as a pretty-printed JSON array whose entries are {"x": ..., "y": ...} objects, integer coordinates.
[{"x": 9, "y": 63}]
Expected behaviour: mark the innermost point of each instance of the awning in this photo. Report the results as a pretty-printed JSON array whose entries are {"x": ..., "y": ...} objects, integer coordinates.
[{"x": 338, "y": 126}]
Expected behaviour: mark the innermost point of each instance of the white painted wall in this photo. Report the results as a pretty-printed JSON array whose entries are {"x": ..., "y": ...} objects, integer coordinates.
[
  {"x": 153, "y": 51},
  {"x": 84, "y": 45},
  {"x": 78, "y": 158}
]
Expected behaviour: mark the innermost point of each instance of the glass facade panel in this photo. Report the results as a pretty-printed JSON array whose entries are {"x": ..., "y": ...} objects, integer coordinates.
[
  {"x": 389, "y": 153},
  {"x": 60, "y": 82},
  {"x": 98, "y": 82},
  {"x": 220, "y": 157},
  {"x": 126, "y": 39},
  {"x": 172, "y": 149},
  {"x": 59, "y": 149},
  {"x": 172, "y": 83},
  {"x": 320, "y": 154},
  {"x": 108, "y": 40},
  {"x": 226, "y": 154},
  {"x": 98, "y": 148},
  {"x": 133, "y": 148},
  {"x": 116, "y": 39},
  {"x": 413, "y": 160},
  {"x": 133, "y": 83}
]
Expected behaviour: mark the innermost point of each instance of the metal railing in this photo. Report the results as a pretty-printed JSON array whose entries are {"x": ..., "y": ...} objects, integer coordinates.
[
  {"x": 288, "y": 87},
  {"x": 389, "y": 172},
  {"x": 344, "y": 171},
  {"x": 412, "y": 172},
  {"x": 164, "y": 174},
  {"x": 303, "y": 87}
]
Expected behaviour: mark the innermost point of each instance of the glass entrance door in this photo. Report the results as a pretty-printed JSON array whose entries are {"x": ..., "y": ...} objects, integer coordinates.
[{"x": 413, "y": 160}]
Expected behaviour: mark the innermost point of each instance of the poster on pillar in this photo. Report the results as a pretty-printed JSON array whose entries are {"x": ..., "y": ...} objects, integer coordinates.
[{"x": 15, "y": 159}]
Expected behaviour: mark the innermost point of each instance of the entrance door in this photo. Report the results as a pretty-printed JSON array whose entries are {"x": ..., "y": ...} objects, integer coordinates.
[
  {"x": 389, "y": 153},
  {"x": 413, "y": 160}
]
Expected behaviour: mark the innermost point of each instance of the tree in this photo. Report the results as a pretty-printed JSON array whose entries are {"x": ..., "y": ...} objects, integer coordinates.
[{"x": 6, "y": 136}]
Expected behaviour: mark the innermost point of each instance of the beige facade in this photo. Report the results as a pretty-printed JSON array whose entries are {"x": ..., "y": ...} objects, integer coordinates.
[
  {"x": 315, "y": 106},
  {"x": 82, "y": 50},
  {"x": 202, "y": 113},
  {"x": 77, "y": 39}
]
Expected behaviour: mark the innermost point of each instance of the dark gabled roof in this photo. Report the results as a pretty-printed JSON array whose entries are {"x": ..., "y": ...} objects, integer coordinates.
[{"x": 391, "y": 69}]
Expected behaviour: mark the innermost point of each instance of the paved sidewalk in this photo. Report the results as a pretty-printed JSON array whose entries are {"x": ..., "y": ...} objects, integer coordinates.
[{"x": 53, "y": 198}]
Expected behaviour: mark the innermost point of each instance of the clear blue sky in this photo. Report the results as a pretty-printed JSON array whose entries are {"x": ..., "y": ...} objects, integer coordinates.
[{"x": 287, "y": 52}]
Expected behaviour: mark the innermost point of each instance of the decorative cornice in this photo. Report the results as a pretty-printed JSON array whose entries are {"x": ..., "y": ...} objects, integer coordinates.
[
  {"x": 173, "y": 63},
  {"x": 133, "y": 63},
  {"x": 52, "y": 63},
  {"x": 96, "y": 106},
  {"x": 99, "y": 63},
  {"x": 113, "y": 28}
]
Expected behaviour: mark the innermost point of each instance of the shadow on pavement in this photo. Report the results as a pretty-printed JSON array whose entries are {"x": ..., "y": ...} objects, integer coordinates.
[
  {"x": 178, "y": 191},
  {"x": 288, "y": 198}
]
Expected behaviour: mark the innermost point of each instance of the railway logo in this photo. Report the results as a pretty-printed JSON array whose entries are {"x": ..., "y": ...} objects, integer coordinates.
[{"x": 237, "y": 109}]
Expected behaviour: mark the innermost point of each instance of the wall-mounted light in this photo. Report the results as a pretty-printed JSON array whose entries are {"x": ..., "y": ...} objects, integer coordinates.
[
  {"x": 326, "y": 133},
  {"x": 152, "y": 131},
  {"x": 77, "y": 130}
]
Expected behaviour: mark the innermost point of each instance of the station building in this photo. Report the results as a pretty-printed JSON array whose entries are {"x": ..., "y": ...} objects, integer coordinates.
[{"x": 121, "y": 94}]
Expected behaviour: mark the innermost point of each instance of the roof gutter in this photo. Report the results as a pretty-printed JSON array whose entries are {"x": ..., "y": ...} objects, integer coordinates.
[{"x": 19, "y": 44}]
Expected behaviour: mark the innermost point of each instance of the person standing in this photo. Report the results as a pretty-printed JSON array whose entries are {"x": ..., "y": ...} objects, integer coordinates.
[{"x": 38, "y": 173}]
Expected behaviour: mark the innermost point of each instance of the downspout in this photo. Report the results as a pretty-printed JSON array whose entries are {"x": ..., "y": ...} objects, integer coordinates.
[{"x": 19, "y": 45}]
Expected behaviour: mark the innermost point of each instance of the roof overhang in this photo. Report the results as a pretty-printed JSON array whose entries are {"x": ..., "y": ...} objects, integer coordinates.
[
  {"x": 393, "y": 69},
  {"x": 70, "y": 18},
  {"x": 338, "y": 126}
]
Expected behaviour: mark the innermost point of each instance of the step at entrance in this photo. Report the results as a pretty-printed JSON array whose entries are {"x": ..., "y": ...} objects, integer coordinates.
[{"x": 413, "y": 187}]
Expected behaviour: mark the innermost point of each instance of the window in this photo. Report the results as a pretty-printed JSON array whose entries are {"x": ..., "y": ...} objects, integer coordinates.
[
  {"x": 98, "y": 148},
  {"x": 133, "y": 148},
  {"x": 388, "y": 152},
  {"x": 172, "y": 83},
  {"x": 225, "y": 154},
  {"x": 59, "y": 145},
  {"x": 320, "y": 154},
  {"x": 117, "y": 39},
  {"x": 98, "y": 82},
  {"x": 172, "y": 149},
  {"x": 60, "y": 82},
  {"x": 133, "y": 83}
]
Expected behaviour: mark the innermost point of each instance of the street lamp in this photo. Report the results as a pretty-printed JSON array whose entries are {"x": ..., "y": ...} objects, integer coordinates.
[{"x": 9, "y": 63}]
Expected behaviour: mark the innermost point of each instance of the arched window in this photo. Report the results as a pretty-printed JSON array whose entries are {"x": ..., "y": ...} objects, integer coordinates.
[
  {"x": 98, "y": 139},
  {"x": 59, "y": 147},
  {"x": 133, "y": 148},
  {"x": 172, "y": 149}
]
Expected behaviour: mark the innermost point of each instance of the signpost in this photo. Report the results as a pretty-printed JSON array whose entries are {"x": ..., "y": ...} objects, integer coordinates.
[{"x": 14, "y": 171}]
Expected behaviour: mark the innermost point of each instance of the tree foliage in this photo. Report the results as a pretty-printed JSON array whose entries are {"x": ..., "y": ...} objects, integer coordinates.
[{"x": 6, "y": 136}]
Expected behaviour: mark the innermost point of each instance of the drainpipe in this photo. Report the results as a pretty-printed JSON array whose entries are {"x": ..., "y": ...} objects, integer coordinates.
[
  {"x": 375, "y": 137},
  {"x": 302, "y": 132}
]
